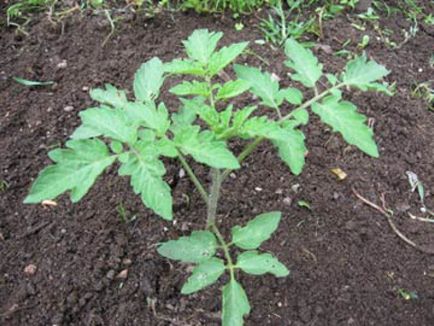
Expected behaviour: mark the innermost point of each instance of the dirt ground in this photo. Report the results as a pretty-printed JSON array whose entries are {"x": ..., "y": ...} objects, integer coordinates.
[{"x": 347, "y": 265}]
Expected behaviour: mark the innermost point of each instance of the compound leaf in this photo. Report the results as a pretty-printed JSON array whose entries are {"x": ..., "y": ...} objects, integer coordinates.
[
  {"x": 303, "y": 62},
  {"x": 261, "y": 84},
  {"x": 110, "y": 96},
  {"x": 148, "y": 80},
  {"x": 256, "y": 231},
  {"x": 196, "y": 248},
  {"x": 343, "y": 117},
  {"x": 191, "y": 88},
  {"x": 220, "y": 59},
  {"x": 255, "y": 263},
  {"x": 204, "y": 274},
  {"x": 361, "y": 73},
  {"x": 205, "y": 148},
  {"x": 235, "y": 304},
  {"x": 76, "y": 169},
  {"x": 201, "y": 44},
  {"x": 112, "y": 123},
  {"x": 146, "y": 173}
]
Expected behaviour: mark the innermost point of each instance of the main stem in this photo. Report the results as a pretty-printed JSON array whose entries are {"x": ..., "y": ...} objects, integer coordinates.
[
  {"x": 213, "y": 197},
  {"x": 214, "y": 194}
]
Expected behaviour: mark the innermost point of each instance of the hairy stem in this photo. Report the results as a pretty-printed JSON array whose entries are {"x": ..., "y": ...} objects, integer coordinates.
[
  {"x": 252, "y": 146},
  {"x": 193, "y": 177},
  {"x": 213, "y": 197},
  {"x": 225, "y": 248}
]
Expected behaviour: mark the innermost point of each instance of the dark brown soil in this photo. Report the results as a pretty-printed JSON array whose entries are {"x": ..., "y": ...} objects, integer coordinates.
[{"x": 347, "y": 265}]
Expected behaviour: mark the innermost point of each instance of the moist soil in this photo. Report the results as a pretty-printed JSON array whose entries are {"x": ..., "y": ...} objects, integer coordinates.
[{"x": 347, "y": 265}]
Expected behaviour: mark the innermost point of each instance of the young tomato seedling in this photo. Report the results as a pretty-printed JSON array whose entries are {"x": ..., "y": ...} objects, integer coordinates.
[{"x": 137, "y": 133}]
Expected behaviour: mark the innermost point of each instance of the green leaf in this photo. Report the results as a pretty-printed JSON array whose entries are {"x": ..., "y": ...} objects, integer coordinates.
[
  {"x": 381, "y": 88},
  {"x": 292, "y": 150},
  {"x": 110, "y": 96},
  {"x": 201, "y": 44},
  {"x": 191, "y": 88},
  {"x": 299, "y": 116},
  {"x": 196, "y": 248},
  {"x": 343, "y": 117},
  {"x": 84, "y": 132},
  {"x": 291, "y": 95},
  {"x": 241, "y": 116},
  {"x": 261, "y": 127},
  {"x": 261, "y": 84},
  {"x": 231, "y": 89},
  {"x": 255, "y": 263},
  {"x": 235, "y": 304},
  {"x": 360, "y": 72},
  {"x": 331, "y": 79},
  {"x": 206, "y": 273},
  {"x": 220, "y": 59},
  {"x": 307, "y": 69},
  {"x": 149, "y": 115},
  {"x": 112, "y": 123},
  {"x": 184, "y": 67},
  {"x": 30, "y": 83},
  {"x": 76, "y": 169},
  {"x": 116, "y": 147},
  {"x": 209, "y": 114},
  {"x": 148, "y": 80},
  {"x": 188, "y": 112},
  {"x": 146, "y": 173},
  {"x": 166, "y": 147},
  {"x": 205, "y": 148},
  {"x": 256, "y": 231}
]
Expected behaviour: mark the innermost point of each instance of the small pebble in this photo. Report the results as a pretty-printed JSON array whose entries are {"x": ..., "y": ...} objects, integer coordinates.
[
  {"x": 233, "y": 175},
  {"x": 62, "y": 65},
  {"x": 123, "y": 274},
  {"x": 110, "y": 274},
  {"x": 68, "y": 108},
  {"x": 126, "y": 262},
  {"x": 258, "y": 189},
  {"x": 278, "y": 191},
  {"x": 30, "y": 269},
  {"x": 287, "y": 201}
]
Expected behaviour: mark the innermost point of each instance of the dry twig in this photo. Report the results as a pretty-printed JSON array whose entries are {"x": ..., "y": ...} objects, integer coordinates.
[{"x": 392, "y": 225}]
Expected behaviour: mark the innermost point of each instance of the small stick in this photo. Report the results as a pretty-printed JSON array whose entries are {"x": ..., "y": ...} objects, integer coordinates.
[
  {"x": 34, "y": 230},
  {"x": 392, "y": 225}
]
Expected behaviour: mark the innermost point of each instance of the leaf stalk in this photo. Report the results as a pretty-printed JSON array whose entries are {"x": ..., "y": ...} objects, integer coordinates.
[{"x": 193, "y": 177}]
